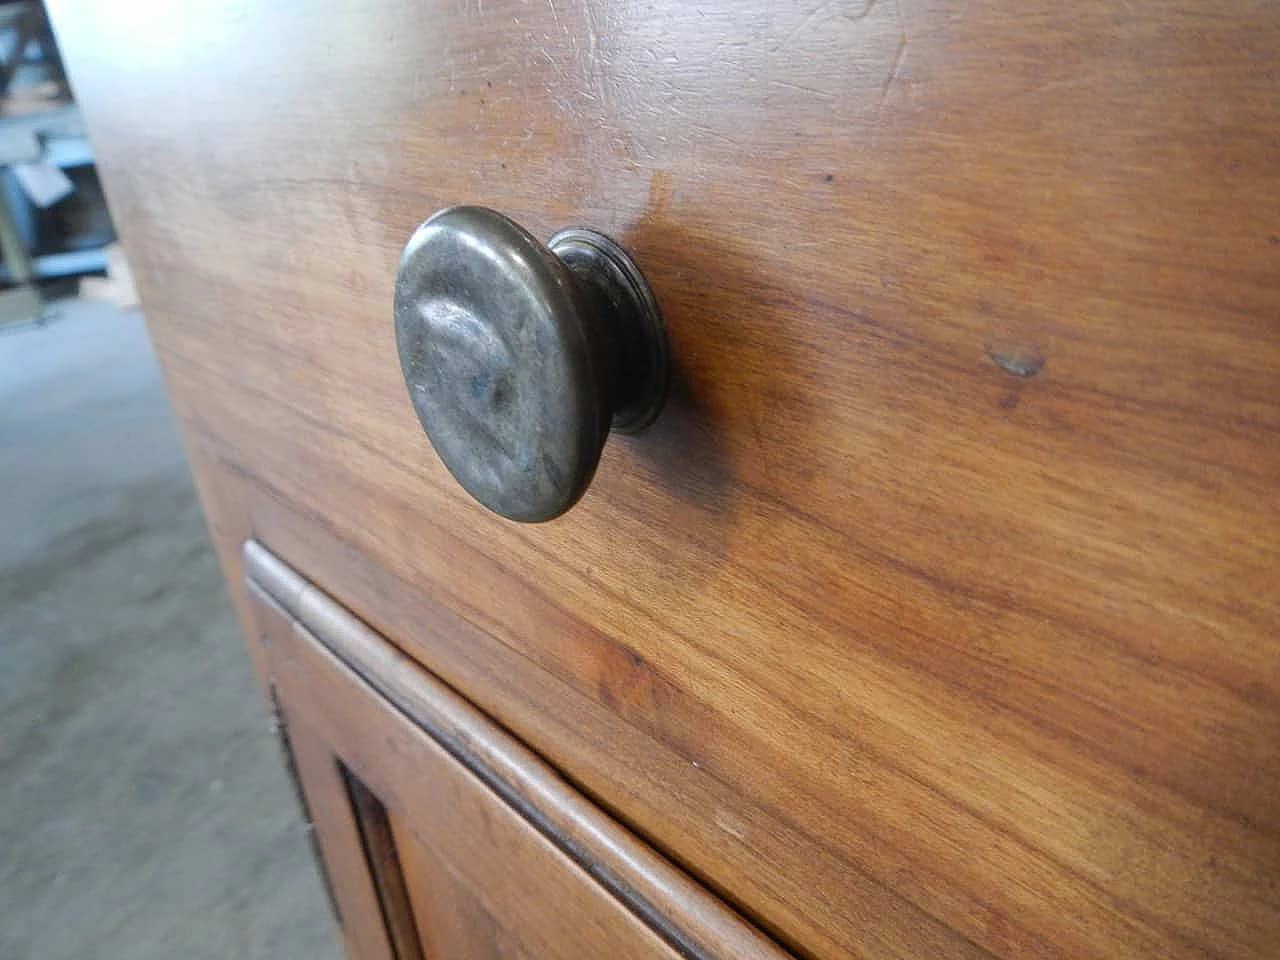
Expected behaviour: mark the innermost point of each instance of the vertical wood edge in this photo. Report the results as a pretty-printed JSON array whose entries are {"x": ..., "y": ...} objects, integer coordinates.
[
  {"x": 280, "y": 726},
  {"x": 374, "y": 825}
]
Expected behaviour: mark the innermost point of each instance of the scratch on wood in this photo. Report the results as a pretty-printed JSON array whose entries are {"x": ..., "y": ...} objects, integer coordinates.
[
  {"x": 595, "y": 63},
  {"x": 895, "y": 67},
  {"x": 731, "y": 824},
  {"x": 864, "y": 12},
  {"x": 821, "y": 12},
  {"x": 1021, "y": 360},
  {"x": 802, "y": 88}
]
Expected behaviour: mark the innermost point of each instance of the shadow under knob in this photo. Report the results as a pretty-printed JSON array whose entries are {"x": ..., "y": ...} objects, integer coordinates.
[{"x": 520, "y": 357}]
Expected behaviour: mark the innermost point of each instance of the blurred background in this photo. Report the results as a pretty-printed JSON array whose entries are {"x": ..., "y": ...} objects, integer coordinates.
[{"x": 146, "y": 811}]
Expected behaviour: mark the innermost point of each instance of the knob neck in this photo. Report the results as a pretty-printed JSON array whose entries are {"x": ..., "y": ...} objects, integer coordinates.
[{"x": 630, "y": 340}]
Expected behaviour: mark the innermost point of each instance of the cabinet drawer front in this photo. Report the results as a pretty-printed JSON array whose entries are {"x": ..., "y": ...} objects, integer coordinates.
[{"x": 443, "y": 835}]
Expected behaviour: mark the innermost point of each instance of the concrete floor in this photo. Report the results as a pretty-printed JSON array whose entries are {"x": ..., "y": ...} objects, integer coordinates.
[{"x": 144, "y": 811}]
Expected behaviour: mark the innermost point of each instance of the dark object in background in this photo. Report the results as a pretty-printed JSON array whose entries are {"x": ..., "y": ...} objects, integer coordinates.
[
  {"x": 79, "y": 221},
  {"x": 29, "y": 40},
  {"x": 54, "y": 222}
]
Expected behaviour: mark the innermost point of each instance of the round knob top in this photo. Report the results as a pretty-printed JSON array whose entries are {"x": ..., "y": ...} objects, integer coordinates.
[{"x": 515, "y": 358}]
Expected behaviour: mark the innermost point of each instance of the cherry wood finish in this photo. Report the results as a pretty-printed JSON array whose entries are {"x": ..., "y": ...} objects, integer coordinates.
[
  {"x": 335, "y": 823},
  {"x": 447, "y": 834},
  {"x": 938, "y": 614}
]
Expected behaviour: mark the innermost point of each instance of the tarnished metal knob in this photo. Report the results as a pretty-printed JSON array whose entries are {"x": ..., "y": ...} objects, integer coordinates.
[{"x": 520, "y": 357}]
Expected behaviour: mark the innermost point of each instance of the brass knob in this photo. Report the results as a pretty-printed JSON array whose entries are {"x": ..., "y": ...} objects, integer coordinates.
[{"x": 519, "y": 357}]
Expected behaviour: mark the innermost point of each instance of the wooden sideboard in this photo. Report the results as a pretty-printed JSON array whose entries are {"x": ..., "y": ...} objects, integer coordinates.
[{"x": 938, "y": 615}]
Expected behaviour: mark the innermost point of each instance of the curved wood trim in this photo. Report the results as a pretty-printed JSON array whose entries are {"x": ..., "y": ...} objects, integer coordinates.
[{"x": 677, "y": 908}]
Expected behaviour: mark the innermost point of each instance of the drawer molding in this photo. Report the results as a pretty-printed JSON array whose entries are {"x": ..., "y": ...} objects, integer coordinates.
[{"x": 673, "y": 905}]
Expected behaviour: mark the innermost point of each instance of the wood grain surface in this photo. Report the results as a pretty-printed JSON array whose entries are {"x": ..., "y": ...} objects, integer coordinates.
[
  {"x": 938, "y": 614},
  {"x": 367, "y": 666},
  {"x": 459, "y": 873}
]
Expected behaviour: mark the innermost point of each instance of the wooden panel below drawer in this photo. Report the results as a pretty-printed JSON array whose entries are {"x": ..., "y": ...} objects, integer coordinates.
[{"x": 471, "y": 846}]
